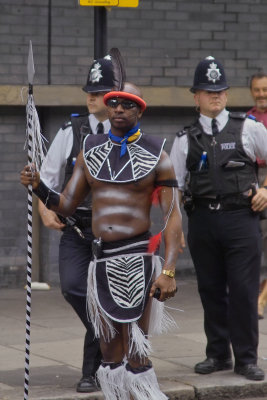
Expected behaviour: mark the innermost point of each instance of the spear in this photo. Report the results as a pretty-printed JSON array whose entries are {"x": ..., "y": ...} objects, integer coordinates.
[{"x": 34, "y": 142}]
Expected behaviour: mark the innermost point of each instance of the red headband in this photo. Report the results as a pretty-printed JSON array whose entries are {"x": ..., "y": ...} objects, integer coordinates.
[{"x": 126, "y": 95}]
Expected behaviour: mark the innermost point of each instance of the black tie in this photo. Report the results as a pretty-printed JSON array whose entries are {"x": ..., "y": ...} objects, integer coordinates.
[
  {"x": 214, "y": 127},
  {"x": 100, "y": 128}
]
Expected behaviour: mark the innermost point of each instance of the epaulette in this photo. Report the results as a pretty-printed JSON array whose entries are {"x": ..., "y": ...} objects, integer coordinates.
[
  {"x": 250, "y": 116},
  {"x": 238, "y": 115},
  {"x": 66, "y": 125},
  {"x": 182, "y": 132},
  {"x": 73, "y": 115}
]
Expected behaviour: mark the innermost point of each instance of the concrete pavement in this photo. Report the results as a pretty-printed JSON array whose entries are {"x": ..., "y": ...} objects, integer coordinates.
[{"x": 57, "y": 342}]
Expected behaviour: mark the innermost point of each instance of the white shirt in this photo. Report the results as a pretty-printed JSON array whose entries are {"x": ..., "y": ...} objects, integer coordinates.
[
  {"x": 254, "y": 140},
  {"x": 53, "y": 168}
]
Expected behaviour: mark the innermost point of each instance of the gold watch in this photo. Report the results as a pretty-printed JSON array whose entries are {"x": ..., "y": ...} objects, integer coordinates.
[{"x": 168, "y": 272}]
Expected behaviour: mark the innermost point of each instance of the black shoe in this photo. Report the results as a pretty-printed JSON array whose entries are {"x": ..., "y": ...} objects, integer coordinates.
[
  {"x": 212, "y": 365},
  {"x": 250, "y": 371},
  {"x": 87, "y": 385}
]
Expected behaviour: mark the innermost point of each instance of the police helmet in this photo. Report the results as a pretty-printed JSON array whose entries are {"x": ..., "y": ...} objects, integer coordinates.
[
  {"x": 100, "y": 76},
  {"x": 209, "y": 76}
]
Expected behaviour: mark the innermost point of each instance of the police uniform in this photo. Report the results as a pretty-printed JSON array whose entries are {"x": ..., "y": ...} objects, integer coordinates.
[
  {"x": 74, "y": 249},
  {"x": 216, "y": 170}
]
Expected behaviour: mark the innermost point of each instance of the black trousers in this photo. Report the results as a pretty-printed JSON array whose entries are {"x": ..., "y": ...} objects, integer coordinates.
[
  {"x": 74, "y": 257},
  {"x": 226, "y": 250}
]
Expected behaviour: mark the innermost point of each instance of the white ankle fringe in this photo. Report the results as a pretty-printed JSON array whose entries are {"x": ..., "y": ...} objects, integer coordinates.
[
  {"x": 112, "y": 382},
  {"x": 144, "y": 386}
]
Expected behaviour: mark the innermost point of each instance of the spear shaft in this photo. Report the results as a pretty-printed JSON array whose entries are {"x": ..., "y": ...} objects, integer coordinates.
[{"x": 29, "y": 130}]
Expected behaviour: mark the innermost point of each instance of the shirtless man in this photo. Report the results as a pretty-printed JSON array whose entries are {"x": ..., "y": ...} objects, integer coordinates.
[{"x": 122, "y": 171}]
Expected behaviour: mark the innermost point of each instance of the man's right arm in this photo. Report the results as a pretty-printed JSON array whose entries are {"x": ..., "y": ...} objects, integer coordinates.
[
  {"x": 52, "y": 173},
  {"x": 66, "y": 202}
]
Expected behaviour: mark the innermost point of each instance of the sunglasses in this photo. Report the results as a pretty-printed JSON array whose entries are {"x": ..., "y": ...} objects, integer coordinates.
[{"x": 126, "y": 104}]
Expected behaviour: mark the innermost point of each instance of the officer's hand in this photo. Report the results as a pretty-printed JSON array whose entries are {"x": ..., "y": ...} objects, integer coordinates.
[
  {"x": 259, "y": 201},
  {"x": 29, "y": 176},
  {"x": 51, "y": 220},
  {"x": 166, "y": 285}
]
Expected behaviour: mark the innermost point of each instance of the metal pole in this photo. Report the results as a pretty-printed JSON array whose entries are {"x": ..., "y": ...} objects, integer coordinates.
[
  {"x": 100, "y": 32},
  {"x": 49, "y": 41}
]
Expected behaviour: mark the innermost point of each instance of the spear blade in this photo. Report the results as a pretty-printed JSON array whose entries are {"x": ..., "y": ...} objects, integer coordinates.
[{"x": 30, "y": 66}]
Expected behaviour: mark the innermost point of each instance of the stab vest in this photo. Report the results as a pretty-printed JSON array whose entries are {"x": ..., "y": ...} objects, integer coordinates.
[
  {"x": 228, "y": 170},
  {"x": 80, "y": 128}
]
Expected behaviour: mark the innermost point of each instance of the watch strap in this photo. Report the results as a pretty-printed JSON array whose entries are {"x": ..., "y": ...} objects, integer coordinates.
[{"x": 168, "y": 272}]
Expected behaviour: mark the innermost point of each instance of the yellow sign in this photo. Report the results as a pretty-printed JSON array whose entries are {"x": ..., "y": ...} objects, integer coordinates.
[{"x": 110, "y": 3}]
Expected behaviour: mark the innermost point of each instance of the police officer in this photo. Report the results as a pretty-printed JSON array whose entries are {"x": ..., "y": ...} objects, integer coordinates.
[
  {"x": 75, "y": 243},
  {"x": 216, "y": 157}
]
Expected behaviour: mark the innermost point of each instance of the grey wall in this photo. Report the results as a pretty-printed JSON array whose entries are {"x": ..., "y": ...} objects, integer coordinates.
[
  {"x": 161, "y": 40},
  {"x": 12, "y": 196}
]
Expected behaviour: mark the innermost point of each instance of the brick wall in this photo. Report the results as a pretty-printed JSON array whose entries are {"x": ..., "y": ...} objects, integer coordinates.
[
  {"x": 161, "y": 40},
  {"x": 12, "y": 196}
]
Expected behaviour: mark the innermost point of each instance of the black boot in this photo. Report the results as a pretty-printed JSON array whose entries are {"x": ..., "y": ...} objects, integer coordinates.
[{"x": 212, "y": 365}]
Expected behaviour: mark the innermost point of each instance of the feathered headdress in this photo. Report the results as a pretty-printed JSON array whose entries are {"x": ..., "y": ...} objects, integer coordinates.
[{"x": 118, "y": 69}]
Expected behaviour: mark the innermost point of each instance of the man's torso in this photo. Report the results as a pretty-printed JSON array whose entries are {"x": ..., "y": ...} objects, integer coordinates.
[{"x": 120, "y": 209}]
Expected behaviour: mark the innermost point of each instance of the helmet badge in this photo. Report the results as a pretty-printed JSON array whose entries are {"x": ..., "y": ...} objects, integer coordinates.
[
  {"x": 213, "y": 73},
  {"x": 96, "y": 73}
]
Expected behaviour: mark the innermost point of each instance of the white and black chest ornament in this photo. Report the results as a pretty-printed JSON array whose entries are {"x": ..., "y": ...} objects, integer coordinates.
[
  {"x": 102, "y": 158},
  {"x": 213, "y": 73}
]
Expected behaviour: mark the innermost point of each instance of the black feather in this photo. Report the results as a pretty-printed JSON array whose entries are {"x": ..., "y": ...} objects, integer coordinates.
[{"x": 119, "y": 72}]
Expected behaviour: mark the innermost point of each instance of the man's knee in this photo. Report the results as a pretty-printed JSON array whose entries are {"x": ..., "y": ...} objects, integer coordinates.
[{"x": 112, "y": 354}]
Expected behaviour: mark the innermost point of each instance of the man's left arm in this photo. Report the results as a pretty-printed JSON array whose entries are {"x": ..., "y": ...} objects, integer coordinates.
[{"x": 172, "y": 233}]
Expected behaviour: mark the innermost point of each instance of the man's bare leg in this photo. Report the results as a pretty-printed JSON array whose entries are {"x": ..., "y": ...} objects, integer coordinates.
[
  {"x": 111, "y": 373},
  {"x": 141, "y": 380},
  {"x": 137, "y": 379}
]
